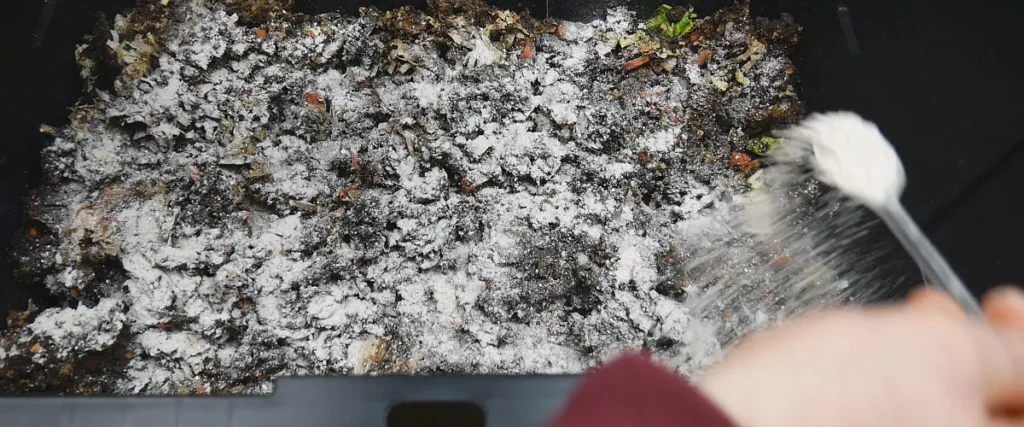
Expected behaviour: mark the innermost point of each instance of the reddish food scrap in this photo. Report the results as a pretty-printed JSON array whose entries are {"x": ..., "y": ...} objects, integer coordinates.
[
  {"x": 261, "y": 34},
  {"x": 316, "y": 101},
  {"x": 560, "y": 30},
  {"x": 672, "y": 114},
  {"x": 740, "y": 160},
  {"x": 529, "y": 50},
  {"x": 347, "y": 193},
  {"x": 36, "y": 348},
  {"x": 644, "y": 157},
  {"x": 637, "y": 63},
  {"x": 647, "y": 93},
  {"x": 33, "y": 233},
  {"x": 781, "y": 261},
  {"x": 466, "y": 187},
  {"x": 778, "y": 113},
  {"x": 703, "y": 57}
]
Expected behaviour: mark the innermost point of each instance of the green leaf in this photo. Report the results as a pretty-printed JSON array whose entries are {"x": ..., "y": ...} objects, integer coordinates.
[
  {"x": 657, "y": 24},
  {"x": 764, "y": 145},
  {"x": 682, "y": 27},
  {"x": 662, "y": 25}
]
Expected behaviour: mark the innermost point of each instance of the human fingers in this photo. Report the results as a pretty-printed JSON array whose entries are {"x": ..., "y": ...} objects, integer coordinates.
[
  {"x": 1004, "y": 306},
  {"x": 1006, "y": 417},
  {"x": 1001, "y": 362},
  {"x": 933, "y": 298},
  {"x": 1006, "y": 422}
]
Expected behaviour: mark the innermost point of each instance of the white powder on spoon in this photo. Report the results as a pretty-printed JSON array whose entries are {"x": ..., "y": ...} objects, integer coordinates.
[{"x": 852, "y": 155}]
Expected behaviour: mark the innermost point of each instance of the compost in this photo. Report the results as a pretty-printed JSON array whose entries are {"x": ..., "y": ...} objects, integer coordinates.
[{"x": 245, "y": 192}]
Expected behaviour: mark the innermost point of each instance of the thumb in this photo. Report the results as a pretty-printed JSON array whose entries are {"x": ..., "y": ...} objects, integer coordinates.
[{"x": 933, "y": 298}]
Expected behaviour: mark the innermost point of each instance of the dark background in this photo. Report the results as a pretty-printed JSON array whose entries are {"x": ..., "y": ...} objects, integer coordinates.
[{"x": 942, "y": 80}]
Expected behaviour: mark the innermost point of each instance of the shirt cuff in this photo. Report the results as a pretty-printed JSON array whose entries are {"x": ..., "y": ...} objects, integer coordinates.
[{"x": 634, "y": 391}]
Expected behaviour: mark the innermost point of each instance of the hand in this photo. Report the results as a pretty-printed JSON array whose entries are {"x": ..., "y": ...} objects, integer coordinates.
[{"x": 919, "y": 364}]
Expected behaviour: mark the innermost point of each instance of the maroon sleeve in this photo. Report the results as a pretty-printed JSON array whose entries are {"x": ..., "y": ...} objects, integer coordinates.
[{"x": 634, "y": 391}]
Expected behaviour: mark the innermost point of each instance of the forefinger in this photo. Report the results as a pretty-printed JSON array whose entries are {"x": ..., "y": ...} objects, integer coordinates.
[
  {"x": 1001, "y": 353},
  {"x": 1004, "y": 307}
]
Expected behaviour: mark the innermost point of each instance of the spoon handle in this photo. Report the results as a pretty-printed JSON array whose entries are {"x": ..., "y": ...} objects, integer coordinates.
[{"x": 935, "y": 269}]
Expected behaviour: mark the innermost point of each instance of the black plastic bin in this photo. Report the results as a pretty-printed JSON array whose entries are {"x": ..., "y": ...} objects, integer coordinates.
[{"x": 944, "y": 81}]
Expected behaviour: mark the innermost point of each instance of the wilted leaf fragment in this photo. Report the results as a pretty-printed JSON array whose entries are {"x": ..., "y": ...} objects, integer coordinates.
[
  {"x": 742, "y": 79},
  {"x": 629, "y": 40},
  {"x": 722, "y": 85}
]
